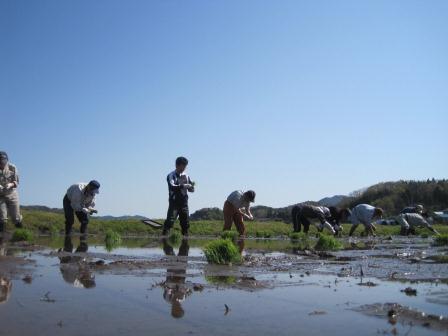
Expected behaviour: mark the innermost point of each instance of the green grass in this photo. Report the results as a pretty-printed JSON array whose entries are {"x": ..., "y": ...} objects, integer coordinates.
[
  {"x": 232, "y": 235},
  {"x": 175, "y": 238},
  {"x": 222, "y": 252},
  {"x": 22, "y": 235},
  {"x": 112, "y": 240},
  {"x": 298, "y": 236},
  {"x": 39, "y": 221},
  {"x": 263, "y": 234},
  {"x": 441, "y": 259},
  {"x": 220, "y": 279},
  {"x": 328, "y": 243},
  {"x": 441, "y": 240}
]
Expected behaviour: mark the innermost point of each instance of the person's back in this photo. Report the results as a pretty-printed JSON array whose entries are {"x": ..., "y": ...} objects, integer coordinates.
[
  {"x": 418, "y": 209},
  {"x": 237, "y": 199},
  {"x": 362, "y": 214}
]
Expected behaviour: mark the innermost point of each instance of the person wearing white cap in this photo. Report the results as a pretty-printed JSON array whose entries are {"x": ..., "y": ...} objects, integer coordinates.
[
  {"x": 80, "y": 200},
  {"x": 9, "y": 197}
]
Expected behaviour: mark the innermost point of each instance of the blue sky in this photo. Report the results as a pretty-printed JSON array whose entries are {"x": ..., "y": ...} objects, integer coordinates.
[{"x": 295, "y": 99}]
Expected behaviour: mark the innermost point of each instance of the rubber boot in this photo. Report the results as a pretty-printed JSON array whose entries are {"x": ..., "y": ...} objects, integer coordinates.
[{"x": 19, "y": 225}]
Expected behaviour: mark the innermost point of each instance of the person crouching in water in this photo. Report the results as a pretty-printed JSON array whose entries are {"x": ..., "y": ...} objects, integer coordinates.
[
  {"x": 302, "y": 213},
  {"x": 80, "y": 201},
  {"x": 179, "y": 185},
  {"x": 365, "y": 214},
  {"x": 410, "y": 221},
  {"x": 236, "y": 208}
]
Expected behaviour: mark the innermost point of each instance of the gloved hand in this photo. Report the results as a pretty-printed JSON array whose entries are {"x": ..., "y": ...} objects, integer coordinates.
[
  {"x": 86, "y": 211},
  {"x": 10, "y": 186}
]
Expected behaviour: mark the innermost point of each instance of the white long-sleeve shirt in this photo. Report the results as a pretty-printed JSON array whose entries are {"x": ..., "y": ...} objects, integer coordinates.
[
  {"x": 78, "y": 198},
  {"x": 362, "y": 214}
]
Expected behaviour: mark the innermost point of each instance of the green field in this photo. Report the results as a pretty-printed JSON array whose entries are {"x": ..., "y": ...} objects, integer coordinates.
[{"x": 53, "y": 223}]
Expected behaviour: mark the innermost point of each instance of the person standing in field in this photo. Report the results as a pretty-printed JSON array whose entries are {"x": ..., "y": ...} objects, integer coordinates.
[
  {"x": 80, "y": 201},
  {"x": 9, "y": 197},
  {"x": 365, "y": 214},
  {"x": 302, "y": 213},
  {"x": 410, "y": 221},
  {"x": 236, "y": 208},
  {"x": 179, "y": 185}
]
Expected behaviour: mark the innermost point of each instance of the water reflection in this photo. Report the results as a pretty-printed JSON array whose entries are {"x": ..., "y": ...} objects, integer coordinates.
[
  {"x": 5, "y": 289},
  {"x": 175, "y": 291},
  {"x": 74, "y": 268}
]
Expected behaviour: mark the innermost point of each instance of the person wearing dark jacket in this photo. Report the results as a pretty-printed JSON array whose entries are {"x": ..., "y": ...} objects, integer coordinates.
[
  {"x": 179, "y": 185},
  {"x": 337, "y": 215},
  {"x": 301, "y": 215},
  {"x": 418, "y": 209}
]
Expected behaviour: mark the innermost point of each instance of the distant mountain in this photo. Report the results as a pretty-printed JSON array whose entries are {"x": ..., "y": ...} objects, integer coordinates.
[
  {"x": 333, "y": 200},
  {"x": 43, "y": 208}
]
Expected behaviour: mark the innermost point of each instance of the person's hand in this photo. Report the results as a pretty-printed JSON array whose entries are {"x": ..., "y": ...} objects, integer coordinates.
[
  {"x": 1, "y": 188},
  {"x": 10, "y": 186},
  {"x": 92, "y": 210},
  {"x": 249, "y": 217},
  {"x": 187, "y": 186},
  {"x": 86, "y": 211}
]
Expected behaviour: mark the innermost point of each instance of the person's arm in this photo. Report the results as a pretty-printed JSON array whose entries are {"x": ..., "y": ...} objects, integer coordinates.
[
  {"x": 190, "y": 186},
  {"x": 14, "y": 182},
  {"x": 75, "y": 196},
  {"x": 429, "y": 227},
  {"x": 249, "y": 213},
  {"x": 16, "y": 178},
  {"x": 172, "y": 183},
  {"x": 246, "y": 212}
]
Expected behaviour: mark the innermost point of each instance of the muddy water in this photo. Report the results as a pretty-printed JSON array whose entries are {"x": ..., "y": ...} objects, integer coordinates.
[{"x": 146, "y": 287}]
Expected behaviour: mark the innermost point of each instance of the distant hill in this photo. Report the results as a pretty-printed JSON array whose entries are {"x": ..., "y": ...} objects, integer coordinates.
[
  {"x": 391, "y": 196},
  {"x": 394, "y": 196},
  {"x": 333, "y": 200},
  {"x": 43, "y": 208}
]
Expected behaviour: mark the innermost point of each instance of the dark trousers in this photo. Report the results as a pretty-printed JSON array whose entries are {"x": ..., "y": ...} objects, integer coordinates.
[
  {"x": 177, "y": 210},
  {"x": 70, "y": 217},
  {"x": 298, "y": 219}
]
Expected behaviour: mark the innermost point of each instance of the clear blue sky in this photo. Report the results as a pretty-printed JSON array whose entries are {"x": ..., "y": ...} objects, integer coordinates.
[{"x": 295, "y": 99}]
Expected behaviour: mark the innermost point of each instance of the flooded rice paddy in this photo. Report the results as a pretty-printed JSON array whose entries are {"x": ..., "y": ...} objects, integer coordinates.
[{"x": 394, "y": 286}]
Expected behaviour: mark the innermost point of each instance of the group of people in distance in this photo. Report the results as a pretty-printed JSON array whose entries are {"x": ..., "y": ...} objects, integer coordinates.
[
  {"x": 79, "y": 201},
  {"x": 331, "y": 218}
]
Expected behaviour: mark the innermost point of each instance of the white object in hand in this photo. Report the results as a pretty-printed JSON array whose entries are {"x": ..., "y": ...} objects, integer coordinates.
[
  {"x": 86, "y": 211},
  {"x": 10, "y": 186}
]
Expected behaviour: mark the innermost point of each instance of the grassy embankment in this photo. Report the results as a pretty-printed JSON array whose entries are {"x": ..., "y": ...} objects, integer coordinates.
[{"x": 53, "y": 223}]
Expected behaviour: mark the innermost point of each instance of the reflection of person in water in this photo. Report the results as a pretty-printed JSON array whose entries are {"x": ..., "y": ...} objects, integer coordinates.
[
  {"x": 5, "y": 289},
  {"x": 175, "y": 290},
  {"x": 73, "y": 268}
]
